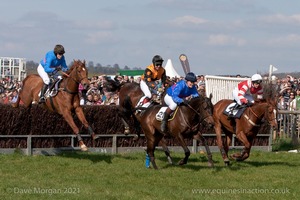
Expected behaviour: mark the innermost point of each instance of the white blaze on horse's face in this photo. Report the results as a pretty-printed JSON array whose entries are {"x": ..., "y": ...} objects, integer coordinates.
[{"x": 83, "y": 69}]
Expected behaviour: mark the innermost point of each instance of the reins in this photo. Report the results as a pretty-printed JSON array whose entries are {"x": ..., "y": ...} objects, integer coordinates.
[
  {"x": 196, "y": 112},
  {"x": 68, "y": 76},
  {"x": 250, "y": 121}
]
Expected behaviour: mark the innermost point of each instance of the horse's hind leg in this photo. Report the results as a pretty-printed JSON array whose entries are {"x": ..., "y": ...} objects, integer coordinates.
[{"x": 166, "y": 150}]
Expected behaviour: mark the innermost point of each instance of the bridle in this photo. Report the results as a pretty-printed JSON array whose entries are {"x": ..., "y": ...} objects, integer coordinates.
[
  {"x": 75, "y": 80},
  {"x": 188, "y": 105},
  {"x": 253, "y": 123}
]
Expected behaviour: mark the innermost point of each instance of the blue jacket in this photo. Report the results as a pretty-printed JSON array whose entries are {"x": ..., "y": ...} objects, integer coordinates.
[
  {"x": 50, "y": 62},
  {"x": 180, "y": 90}
]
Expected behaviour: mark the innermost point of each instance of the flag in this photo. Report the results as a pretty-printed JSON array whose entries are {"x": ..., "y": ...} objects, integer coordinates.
[
  {"x": 274, "y": 68},
  {"x": 185, "y": 63}
]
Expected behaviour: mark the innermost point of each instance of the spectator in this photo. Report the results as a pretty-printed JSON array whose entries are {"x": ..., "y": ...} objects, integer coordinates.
[
  {"x": 297, "y": 97},
  {"x": 14, "y": 95},
  {"x": 292, "y": 102},
  {"x": 89, "y": 100},
  {"x": 97, "y": 100},
  {"x": 109, "y": 100}
]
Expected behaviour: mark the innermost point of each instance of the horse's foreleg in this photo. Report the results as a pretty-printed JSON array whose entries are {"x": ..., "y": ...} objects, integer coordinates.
[
  {"x": 209, "y": 154},
  {"x": 166, "y": 150},
  {"x": 126, "y": 126},
  {"x": 218, "y": 131},
  {"x": 68, "y": 117},
  {"x": 81, "y": 117},
  {"x": 246, "y": 150},
  {"x": 150, "y": 152},
  {"x": 186, "y": 150}
]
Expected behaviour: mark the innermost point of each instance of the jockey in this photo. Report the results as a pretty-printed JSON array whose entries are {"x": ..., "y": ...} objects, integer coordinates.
[
  {"x": 176, "y": 95},
  {"x": 242, "y": 94},
  {"x": 53, "y": 62},
  {"x": 152, "y": 73}
]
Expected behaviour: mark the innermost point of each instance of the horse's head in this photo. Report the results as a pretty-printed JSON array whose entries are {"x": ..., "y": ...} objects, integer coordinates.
[
  {"x": 204, "y": 108},
  {"x": 110, "y": 85},
  {"x": 78, "y": 72},
  {"x": 271, "y": 114}
]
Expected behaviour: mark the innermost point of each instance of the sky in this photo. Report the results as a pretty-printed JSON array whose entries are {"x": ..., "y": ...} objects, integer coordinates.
[{"x": 218, "y": 36}]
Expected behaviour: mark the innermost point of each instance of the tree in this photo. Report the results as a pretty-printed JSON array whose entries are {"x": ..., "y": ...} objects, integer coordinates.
[{"x": 126, "y": 67}]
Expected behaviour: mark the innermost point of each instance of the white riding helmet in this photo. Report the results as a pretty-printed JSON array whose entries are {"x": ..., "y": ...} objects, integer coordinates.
[{"x": 256, "y": 78}]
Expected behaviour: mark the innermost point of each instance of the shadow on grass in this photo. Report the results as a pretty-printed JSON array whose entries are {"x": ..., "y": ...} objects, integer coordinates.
[
  {"x": 95, "y": 157},
  {"x": 197, "y": 163}
]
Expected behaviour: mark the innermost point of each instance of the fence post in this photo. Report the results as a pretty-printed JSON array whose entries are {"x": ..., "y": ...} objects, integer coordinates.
[
  {"x": 29, "y": 147},
  {"x": 114, "y": 145},
  {"x": 195, "y": 147}
]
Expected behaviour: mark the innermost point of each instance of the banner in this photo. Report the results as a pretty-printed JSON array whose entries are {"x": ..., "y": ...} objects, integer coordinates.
[{"x": 184, "y": 63}]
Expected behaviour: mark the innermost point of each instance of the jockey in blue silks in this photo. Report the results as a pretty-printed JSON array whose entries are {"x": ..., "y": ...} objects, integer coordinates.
[
  {"x": 53, "y": 62},
  {"x": 176, "y": 95}
]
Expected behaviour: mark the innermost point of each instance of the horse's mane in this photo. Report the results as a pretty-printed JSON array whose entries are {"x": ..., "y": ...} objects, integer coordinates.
[
  {"x": 270, "y": 92},
  {"x": 74, "y": 65}
]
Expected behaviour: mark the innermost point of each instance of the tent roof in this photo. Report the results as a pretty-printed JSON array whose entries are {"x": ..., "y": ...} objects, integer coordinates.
[{"x": 170, "y": 71}]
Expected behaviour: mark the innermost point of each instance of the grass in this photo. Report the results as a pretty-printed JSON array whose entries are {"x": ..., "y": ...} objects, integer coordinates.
[
  {"x": 78, "y": 175},
  {"x": 285, "y": 144}
]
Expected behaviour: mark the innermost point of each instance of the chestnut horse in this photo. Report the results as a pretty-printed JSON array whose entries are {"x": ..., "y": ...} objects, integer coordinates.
[
  {"x": 67, "y": 99},
  {"x": 245, "y": 128},
  {"x": 186, "y": 123}
]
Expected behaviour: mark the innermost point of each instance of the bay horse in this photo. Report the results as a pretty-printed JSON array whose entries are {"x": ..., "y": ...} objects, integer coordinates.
[
  {"x": 65, "y": 102},
  {"x": 186, "y": 123},
  {"x": 245, "y": 128}
]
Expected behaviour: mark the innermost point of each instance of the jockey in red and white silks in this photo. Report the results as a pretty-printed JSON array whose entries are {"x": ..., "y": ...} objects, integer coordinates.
[{"x": 242, "y": 94}]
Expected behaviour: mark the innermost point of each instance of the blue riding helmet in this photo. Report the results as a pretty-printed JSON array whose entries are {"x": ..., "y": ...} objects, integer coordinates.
[{"x": 191, "y": 77}]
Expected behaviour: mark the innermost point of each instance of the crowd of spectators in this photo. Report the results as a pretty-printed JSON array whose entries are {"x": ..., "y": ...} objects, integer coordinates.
[{"x": 288, "y": 89}]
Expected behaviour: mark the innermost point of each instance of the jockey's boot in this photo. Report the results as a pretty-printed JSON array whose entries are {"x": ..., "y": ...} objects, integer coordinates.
[
  {"x": 164, "y": 122},
  {"x": 42, "y": 97}
]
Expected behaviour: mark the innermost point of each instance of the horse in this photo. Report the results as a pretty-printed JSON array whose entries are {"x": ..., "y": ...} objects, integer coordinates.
[
  {"x": 186, "y": 123},
  {"x": 245, "y": 128},
  {"x": 65, "y": 102}
]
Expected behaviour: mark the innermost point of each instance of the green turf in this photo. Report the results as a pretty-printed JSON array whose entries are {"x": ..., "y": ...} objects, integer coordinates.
[{"x": 78, "y": 175}]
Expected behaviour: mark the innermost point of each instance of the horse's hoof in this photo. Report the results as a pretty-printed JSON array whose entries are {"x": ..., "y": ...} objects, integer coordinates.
[
  {"x": 126, "y": 131},
  {"x": 170, "y": 161},
  {"x": 181, "y": 162},
  {"x": 135, "y": 138},
  {"x": 227, "y": 162},
  {"x": 83, "y": 148}
]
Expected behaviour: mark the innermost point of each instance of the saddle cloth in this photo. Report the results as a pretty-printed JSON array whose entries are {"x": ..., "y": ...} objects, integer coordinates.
[
  {"x": 52, "y": 90},
  {"x": 237, "y": 113},
  {"x": 146, "y": 105}
]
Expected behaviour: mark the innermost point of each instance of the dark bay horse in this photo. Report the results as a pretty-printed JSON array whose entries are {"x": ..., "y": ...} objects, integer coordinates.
[
  {"x": 67, "y": 99},
  {"x": 133, "y": 93},
  {"x": 186, "y": 124},
  {"x": 245, "y": 128}
]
